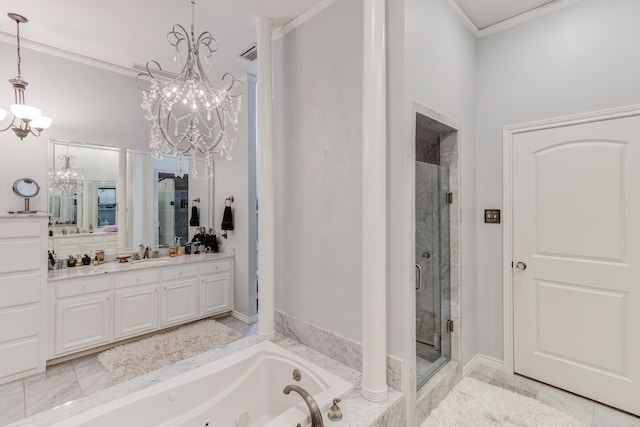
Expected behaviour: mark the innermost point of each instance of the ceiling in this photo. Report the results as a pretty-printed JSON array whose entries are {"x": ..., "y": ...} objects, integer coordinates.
[
  {"x": 126, "y": 32},
  {"x": 485, "y": 13}
]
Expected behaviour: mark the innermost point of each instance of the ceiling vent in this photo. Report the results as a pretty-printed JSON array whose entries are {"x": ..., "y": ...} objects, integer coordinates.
[{"x": 251, "y": 53}]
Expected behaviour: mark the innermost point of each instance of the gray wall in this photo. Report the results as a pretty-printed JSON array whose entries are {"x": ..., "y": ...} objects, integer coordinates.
[
  {"x": 579, "y": 59},
  {"x": 318, "y": 157},
  {"x": 87, "y": 104},
  {"x": 440, "y": 59}
]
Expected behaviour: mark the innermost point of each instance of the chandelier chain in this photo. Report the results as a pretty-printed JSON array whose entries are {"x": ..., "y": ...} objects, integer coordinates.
[{"x": 19, "y": 56}]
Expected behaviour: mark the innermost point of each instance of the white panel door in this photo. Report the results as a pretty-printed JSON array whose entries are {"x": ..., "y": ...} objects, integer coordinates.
[{"x": 576, "y": 228}]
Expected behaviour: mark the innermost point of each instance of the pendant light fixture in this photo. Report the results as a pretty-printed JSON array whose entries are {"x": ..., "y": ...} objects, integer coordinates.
[
  {"x": 26, "y": 118},
  {"x": 187, "y": 116}
]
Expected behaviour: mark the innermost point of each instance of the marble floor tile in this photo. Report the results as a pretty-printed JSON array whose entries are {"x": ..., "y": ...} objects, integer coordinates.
[
  {"x": 93, "y": 383},
  {"x": 239, "y": 326},
  {"x": 516, "y": 383},
  {"x": 88, "y": 366},
  {"x": 11, "y": 402},
  {"x": 56, "y": 396},
  {"x": 604, "y": 416},
  {"x": 568, "y": 403}
]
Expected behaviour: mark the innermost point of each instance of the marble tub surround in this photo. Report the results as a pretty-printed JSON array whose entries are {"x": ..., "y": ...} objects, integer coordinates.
[
  {"x": 356, "y": 410},
  {"x": 337, "y": 347},
  {"x": 116, "y": 267}
]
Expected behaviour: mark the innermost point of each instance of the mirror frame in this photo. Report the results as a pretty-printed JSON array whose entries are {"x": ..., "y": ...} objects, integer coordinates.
[{"x": 17, "y": 182}]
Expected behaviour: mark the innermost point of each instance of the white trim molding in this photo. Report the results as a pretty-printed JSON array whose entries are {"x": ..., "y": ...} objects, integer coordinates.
[
  {"x": 244, "y": 318},
  {"x": 507, "y": 230},
  {"x": 481, "y": 359},
  {"x": 511, "y": 22},
  {"x": 301, "y": 19}
]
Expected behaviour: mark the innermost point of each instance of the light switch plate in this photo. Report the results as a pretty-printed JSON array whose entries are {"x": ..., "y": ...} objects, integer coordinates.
[{"x": 492, "y": 216}]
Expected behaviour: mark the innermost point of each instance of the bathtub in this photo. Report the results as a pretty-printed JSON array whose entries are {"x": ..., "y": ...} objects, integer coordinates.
[{"x": 240, "y": 390}]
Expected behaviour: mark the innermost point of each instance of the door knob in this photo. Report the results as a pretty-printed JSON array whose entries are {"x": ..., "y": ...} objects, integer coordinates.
[{"x": 521, "y": 266}]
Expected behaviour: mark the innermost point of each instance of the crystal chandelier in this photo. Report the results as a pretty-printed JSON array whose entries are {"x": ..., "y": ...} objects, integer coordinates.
[
  {"x": 67, "y": 179},
  {"x": 187, "y": 116},
  {"x": 26, "y": 118}
]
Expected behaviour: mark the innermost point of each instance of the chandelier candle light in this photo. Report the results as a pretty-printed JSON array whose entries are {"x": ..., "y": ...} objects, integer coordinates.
[
  {"x": 29, "y": 119},
  {"x": 187, "y": 116}
]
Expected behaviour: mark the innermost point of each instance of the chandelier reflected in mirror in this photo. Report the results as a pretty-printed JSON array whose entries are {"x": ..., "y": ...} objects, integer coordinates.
[
  {"x": 67, "y": 179},
  {"x": 27, "y": 119},
  {"x": 187, "y": 116}
]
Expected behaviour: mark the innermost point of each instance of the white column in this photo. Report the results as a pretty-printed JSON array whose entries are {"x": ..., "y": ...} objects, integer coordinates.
[
  {"x": 374, "y": 183},
  {"x": 266, "y": 246}
]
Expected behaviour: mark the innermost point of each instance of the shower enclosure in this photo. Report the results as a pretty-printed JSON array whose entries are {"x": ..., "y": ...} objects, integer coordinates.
[{"x": 432, "y": 243}]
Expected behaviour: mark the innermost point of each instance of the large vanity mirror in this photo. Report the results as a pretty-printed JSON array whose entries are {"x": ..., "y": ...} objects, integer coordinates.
[{"x": 115, "y": 199}]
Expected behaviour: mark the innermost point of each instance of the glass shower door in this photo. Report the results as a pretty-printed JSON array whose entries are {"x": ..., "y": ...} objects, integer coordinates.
[{"x": 433, "y": 343}]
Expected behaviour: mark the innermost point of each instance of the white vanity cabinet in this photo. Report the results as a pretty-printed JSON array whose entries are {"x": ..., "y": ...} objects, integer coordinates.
[
  {"x": 82, "y": 314},
  {"x": 136, "y": 303},
  {"x": 215, "y": 288},
  {"x": 96, "y": 309},
  {"x": 179, "y": 287},
  {"x": 23, "y": 296}
]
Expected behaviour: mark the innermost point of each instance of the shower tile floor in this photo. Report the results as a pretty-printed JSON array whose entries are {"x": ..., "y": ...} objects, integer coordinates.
[
  {"x": 428, "y": 360},
  {"x": 67, "y": 381}
]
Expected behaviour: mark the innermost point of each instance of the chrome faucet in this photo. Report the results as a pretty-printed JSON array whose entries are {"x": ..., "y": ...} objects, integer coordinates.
[
  {"x": 316, "y": 415},
  {"x": 146, "y": 251}
]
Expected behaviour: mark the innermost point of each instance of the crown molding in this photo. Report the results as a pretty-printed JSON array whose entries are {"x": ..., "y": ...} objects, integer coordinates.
[
  {"x": 65, "y": 54},
  {"x": 511, "y": 22},
  {"x": 301, "y": 19}
]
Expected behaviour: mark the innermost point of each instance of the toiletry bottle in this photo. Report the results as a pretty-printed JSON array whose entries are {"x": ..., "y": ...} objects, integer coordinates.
[{"x": 179, "y": 247}]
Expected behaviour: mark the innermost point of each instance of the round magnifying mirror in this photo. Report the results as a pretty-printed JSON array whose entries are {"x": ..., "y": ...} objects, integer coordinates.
[{"x": 26, "y": 188}]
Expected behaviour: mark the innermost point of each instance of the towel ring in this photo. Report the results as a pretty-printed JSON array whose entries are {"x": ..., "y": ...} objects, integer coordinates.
[{"x": 228, "y": 201}]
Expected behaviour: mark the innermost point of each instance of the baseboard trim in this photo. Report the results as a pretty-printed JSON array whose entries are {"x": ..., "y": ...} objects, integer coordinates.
[
  {"x": 481, "y": 359},
  {"x": 244, "y": 318}
]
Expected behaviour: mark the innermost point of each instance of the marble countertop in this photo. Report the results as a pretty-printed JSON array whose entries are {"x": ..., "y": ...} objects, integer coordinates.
[
  {"x": 38, "y": 214},
  {"x": 117, "y": 267}
]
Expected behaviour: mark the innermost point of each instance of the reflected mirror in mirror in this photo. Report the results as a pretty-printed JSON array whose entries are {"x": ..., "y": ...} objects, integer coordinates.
[
  {"x": 26, "y": 188},
  {"x": 114, "y": 199}
]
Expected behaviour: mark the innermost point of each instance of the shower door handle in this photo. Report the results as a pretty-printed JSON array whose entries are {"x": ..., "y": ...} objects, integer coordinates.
[{"x": 419, "y": 277}]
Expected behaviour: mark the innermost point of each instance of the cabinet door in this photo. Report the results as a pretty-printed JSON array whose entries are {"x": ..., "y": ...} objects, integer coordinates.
[
  {"x": 82, "y": 323},
  {"x": 136, "y": 311},
  {"x": 178, "y": 302},
  {"x": 214, "y": 293}
]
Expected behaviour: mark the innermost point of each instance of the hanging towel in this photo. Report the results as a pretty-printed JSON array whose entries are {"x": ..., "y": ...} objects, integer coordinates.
[
  {"x": 195, "y": 218},
  {"x": 227, "y": 219}
]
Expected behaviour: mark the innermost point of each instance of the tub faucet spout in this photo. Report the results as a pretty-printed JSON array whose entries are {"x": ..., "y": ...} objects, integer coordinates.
[{"x": 316, "y": 415}]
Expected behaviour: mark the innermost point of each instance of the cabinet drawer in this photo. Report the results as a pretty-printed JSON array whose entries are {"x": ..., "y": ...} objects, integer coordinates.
[
  {"x": 179, "y": 272},
  {"x": 11, "y": 230},
  {"x": 216, "y": 266},
  {"x": 137, "y": 278},
  {"x": 23, "y": 256},
  {"x": 20, "y": 289},
  {"x": 81, "y": 287}
]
